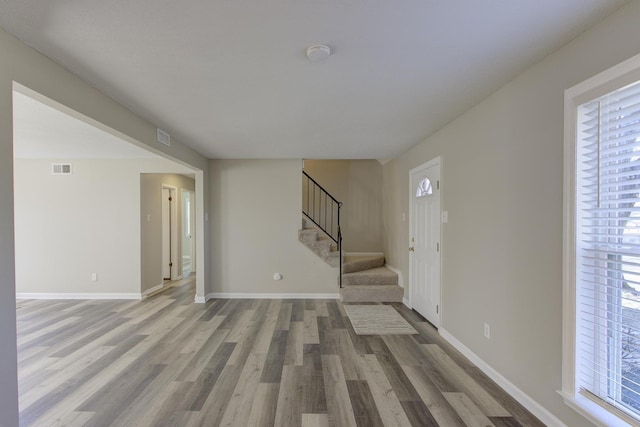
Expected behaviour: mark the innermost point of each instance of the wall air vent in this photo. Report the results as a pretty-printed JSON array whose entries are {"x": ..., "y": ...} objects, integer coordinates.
[
  {"x": 61, "y": 168},
  {"x": 164, "y": 138}
]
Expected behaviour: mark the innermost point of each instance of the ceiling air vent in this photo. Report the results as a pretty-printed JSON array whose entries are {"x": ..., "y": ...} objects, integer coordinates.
[
  {"x": 61, "y": 168},
  {"x": 164, "y": 138}
]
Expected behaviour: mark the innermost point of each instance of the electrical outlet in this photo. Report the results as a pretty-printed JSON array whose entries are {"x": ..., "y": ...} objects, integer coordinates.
[
  {"x": 487, "y": 331},
  {"x": 94, "y": 277}
]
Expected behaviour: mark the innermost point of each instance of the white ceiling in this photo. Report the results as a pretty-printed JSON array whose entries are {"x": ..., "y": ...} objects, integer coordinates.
[
  {"x": 230, "y": 78},
  {"x": 41, "y": 131}
]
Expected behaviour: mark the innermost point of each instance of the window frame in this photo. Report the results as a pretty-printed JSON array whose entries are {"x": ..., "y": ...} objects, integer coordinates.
[
  {"x": 616, "y": 77},
  {"x": 421, "y": 192}
]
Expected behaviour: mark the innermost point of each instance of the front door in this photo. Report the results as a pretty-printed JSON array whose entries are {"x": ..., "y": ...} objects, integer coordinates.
[{"x": 424, "y": 241}]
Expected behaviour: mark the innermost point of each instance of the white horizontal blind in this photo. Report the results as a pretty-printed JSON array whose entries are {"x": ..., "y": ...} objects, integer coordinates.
[{"x": 608, "y": 249}]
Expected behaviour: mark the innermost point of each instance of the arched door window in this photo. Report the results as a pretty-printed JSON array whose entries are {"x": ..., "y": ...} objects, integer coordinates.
[{"x": 424, "y": 188}]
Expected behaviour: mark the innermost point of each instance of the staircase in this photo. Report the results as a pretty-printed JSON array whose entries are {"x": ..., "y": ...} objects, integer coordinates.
[{"x": 365, "y": 278}]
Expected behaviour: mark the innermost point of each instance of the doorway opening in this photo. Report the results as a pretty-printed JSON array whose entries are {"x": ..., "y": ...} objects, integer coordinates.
[{"x": 88, "y": 246}]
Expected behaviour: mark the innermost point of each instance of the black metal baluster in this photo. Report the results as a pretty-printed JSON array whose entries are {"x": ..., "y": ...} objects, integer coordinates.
[{"x": 315, "y": 215}]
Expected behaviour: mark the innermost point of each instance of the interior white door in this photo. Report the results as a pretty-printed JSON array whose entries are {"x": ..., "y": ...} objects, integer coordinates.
[
  {"x": 187, "y": 233},
  {"x": 424, "y": 241}
]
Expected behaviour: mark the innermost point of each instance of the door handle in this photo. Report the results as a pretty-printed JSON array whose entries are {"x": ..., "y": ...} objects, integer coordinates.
[{"x": 411, "y": 249}]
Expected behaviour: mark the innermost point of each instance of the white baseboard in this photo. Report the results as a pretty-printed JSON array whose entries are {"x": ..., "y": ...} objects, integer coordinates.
[
  {"x": 153, "y": 290},
  {"x": 28, "y": 295},
  {"x": 405, "y": 301},
  {"x": 200, "y": 300},
  {"x": 534, "y": 407},
  {"x": 398, "y": 272},
  {"x": 231, "y": 295}
]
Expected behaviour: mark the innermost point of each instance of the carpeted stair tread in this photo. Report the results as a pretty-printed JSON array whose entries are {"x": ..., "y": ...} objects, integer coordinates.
[
  {"x": 321, "y": 245},
  {"x": 372, "y": 293},
  {"x": 365, "y": 277},
  {"x": 353, "y": 263},
  {"x": 374, "y": 276}
]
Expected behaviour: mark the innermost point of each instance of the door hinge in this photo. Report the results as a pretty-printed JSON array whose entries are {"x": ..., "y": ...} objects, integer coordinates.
[
  {"x": 438, "y": 185},
  {"x": 438, "y": 247},
  {"x": 437, "y": 309}
]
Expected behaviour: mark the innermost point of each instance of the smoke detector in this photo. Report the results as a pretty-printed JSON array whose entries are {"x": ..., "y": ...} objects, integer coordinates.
[{"x": 318, "y": 52}]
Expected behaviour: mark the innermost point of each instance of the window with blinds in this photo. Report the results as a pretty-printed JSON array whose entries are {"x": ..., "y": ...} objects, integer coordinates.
[{"x": 608, "y": 250}]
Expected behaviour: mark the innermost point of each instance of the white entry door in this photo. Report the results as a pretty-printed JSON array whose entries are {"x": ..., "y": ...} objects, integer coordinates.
[{"x": 424, "y": 241}]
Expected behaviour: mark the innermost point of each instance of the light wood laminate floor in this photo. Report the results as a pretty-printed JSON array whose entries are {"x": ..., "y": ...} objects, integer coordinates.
[{"x": 166, "y": 361}]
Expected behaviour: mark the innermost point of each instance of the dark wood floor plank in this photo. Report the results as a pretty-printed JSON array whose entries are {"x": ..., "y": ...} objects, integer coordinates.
[
  {"x": 338, "y": 400},
  {"x": 398, "y": 379},
  {"x": 311, "y": 327},
  {"x": 440, "y": 409},
  {"x": 386, "y": 399},
  {"x": 506, "y": 422},
  {"x": 165, "y": 361},
  {"x": 297, "y": 311},
  {"x": 418, "y": 414},
  {"x": 289, "y": 409},
  {"x": 284, "y": 317},
  {"x": 351, "y": 361},
  {"x": 337, "y": 321},
  {"x": 364, "y": 407},
  {"x": 213, "y": 409},
  {"x": 94, "y": 333},
  {"x": 55, "y": 396},
  {"x": 267, "y": 327},
  {"x": 462, "y": 381},
  {"x": 115, "y": 400},
  {"x": 404, "y": 349},
  {"x": 272, "y": 371},
  {"x": 360, "y": 343},
  {"x": 327, "y": 336},
  {"x": 294, "y": 351},
  {"x": 236, "y": 413},
  {"x": 314, "y": 400},
  {"x": 202, "y": 357},
  {"x": 213, "y": 308},
  {"x": 210, "y": 375}
]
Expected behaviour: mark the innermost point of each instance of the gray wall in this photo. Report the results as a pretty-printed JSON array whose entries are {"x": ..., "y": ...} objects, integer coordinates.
[
  {"x": 151, "y": 231},
  {"x": 69, "y": 226},
  {"x": 502, "y": 181},
  {"x": 255, "y": 217},
  {"x": 357, "y": 184},
  {"x": 33, "y": 70}
]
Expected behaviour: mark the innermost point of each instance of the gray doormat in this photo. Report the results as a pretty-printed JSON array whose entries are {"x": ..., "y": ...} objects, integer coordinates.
[{"x": 377, "y": 320}]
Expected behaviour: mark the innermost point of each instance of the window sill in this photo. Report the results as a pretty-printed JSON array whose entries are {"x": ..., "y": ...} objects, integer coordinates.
[{"x": 594, "y": 412}]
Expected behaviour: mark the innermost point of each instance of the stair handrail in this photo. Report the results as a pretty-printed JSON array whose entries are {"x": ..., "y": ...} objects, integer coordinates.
[{"x": 323, "y": 198}]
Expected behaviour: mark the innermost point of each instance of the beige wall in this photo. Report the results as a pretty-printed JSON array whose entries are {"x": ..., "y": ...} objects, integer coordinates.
[
  {"x": 151, "y": 230},
  {"x": 254, "y": 220},
  {"x": 502, "y": 187},
  {"x": 67, "y": 227},
  {"x": 357, "y": 184},
  {"x": 26, "y": 66}
]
